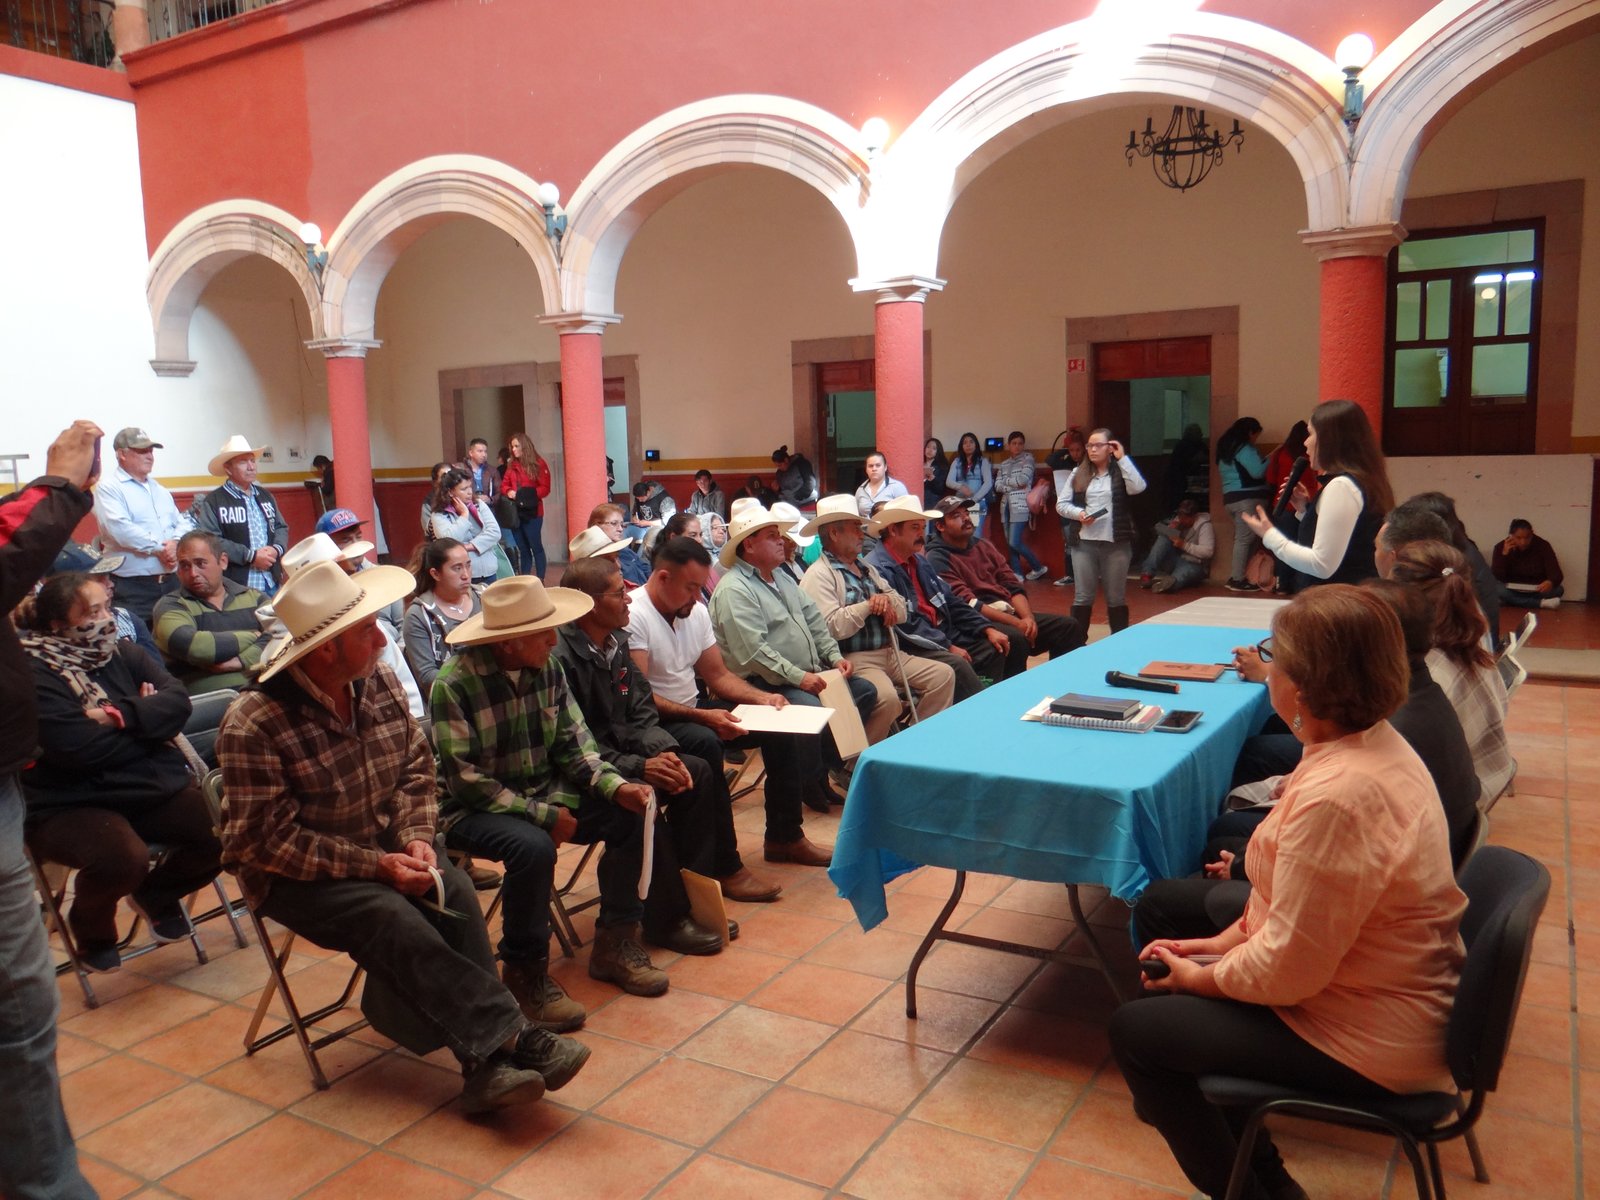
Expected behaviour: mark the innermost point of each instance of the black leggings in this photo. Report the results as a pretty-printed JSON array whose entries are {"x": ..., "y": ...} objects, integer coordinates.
[{"x": 1163, "y": 1044}]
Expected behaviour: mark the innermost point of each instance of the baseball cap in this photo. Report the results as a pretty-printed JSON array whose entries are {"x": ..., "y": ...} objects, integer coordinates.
[
  {"x": 75, "y": 556},
  {"x": 133, "y": 438},
  {"x": 950, "y": 503},
  {"x": 336, "y": 520}
]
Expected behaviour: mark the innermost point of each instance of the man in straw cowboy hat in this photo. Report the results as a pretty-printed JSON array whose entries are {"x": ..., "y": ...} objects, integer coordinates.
[
  {"x": 860, "y": 609},
  {"x": 937, "y": 623},
  {"x": 245, "y": 516},
  {"x": 523, "y": 775},
  {"x": 329, "y": 820},
  {"x": 772, "y": 634}
]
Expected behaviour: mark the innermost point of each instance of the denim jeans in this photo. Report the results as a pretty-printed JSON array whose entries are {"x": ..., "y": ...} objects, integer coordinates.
[
  {"x": 37, "y": 1158},
  {"x": 529, "y": 857},
  {"x": 528, "y": 541},
  {"x": 1014, "y": 532},
  {"x": 1094, "y": 563},
  {"x": 1164, "y": 559},
  {"x": 1245, "y": 540}
]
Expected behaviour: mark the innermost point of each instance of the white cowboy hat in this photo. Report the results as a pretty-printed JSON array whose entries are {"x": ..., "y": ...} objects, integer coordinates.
[
  {"x": 797, "y": 523},
  {"x": 746, "y": 523},
  {"x": 831, "y": 509},
  {"x": 516, "y": 607},
  {"x": 593, "y": 542},
  {"x": 742, "y": 504},
  {"x": 320, "y": 602},
  {"x": 232, "y": 449},
  {"x": 898, "y": 511},
  {"x": 319, "y": 547}
]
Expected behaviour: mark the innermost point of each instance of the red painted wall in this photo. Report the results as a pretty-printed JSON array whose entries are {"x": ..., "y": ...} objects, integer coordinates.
[{"x": 308, "y": 103}]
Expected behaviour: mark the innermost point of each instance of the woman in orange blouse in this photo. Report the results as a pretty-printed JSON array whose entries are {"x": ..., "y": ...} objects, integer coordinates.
[{"x": 1341, "y": 972}]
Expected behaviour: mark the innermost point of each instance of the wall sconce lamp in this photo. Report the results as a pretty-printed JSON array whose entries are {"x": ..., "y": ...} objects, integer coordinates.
[
  {"x": 1353, "y": 54},
  {"x": 875, "y": 136},
  {"x": 316, "y": 252},
  {"x": 555, "y": 224}
]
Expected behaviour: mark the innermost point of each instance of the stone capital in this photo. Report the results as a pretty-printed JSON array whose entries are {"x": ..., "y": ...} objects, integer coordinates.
[
  {"x": 172, "y": 368},
  {"x": 343, "y": 347},
  {"x": 913, "y": 288},
  {"x": 1356, "y": 241},
  {"x": 579, "y": 322}
]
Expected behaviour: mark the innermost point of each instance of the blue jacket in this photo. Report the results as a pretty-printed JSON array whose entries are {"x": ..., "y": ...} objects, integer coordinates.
[{"x": 958, "y": 622}]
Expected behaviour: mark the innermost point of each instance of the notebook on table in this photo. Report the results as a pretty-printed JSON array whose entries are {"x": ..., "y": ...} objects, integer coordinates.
[
  {"x": 1197, "y": 672},
  {"x": 1105, "y": 708},
  {"x": 1143, "y": 719}
]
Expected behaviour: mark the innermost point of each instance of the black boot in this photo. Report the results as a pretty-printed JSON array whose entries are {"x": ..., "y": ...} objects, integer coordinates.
[
  {"x": 1081, "y": 613},
  {"x": 1117, "y": 616}
]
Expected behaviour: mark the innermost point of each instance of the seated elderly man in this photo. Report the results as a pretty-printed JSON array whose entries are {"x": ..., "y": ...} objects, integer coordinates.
[
  {"x": 207, "y": 630},
  {"x": 861, "y": 609},
  {"x": 1406, "y": 523},
  {"x": 771, "y": 633},
  {"x": 939, "y": 625},
  {"x": 523, "y": 775},
  {"x": 981, "y": 577},
  {"x": 329, "y": 818}
]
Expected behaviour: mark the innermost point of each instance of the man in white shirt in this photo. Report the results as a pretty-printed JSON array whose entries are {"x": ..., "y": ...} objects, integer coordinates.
[
  {"x": 673, "y": 645},
  {"x": 139, "y": 520}
]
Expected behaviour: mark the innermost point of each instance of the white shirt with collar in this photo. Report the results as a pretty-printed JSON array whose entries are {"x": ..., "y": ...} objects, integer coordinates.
[{"x": 135, "y": 519}]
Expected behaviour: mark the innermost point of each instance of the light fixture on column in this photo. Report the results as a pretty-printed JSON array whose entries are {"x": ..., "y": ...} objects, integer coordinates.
[
  {"x": 555, "y": 224},
  {"x": 1185, "y": 152},
  {"x": 316, "y": 253},
  {"x": 874, "y": 136},
  {"x": 1353, "y": 54}
]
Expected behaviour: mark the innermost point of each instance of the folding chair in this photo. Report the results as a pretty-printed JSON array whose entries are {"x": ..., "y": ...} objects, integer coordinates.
[{"x": 298, "y": 1023}]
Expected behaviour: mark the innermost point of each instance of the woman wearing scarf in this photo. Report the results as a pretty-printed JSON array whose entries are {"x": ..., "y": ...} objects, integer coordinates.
[{"x": 109, "y": 779}]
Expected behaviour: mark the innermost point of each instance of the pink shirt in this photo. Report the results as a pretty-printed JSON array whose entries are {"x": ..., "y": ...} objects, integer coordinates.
[{"x": 1351, "y": 926}]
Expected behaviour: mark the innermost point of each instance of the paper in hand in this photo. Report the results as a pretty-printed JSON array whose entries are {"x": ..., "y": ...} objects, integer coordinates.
[
  {"x": 436, "y": 901},
  {"x": 649, "y": 857}
]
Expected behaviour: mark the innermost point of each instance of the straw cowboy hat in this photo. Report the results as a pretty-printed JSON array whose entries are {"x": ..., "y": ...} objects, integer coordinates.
[
  {"x": 796, "y": 532},
  {"x": 516, "y": 607},
  {"x": 319, "y": 547},
  {"x": 746, "y": 523},
  {"x": 593, "y": 542},
  {"x": 742, "y": 504},
  {"x": 831, "y": 509},
  {"x": 898, "y": 511},
  {"x": 319, "y": 602},
  {"x": 232, "y": 449}
]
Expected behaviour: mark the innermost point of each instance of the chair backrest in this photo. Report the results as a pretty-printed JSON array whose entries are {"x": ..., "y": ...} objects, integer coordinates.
[
  {"x": 1506, "y": 892},
  {"x": 1479, "y": 839},
  {"x": 205, "y": 719},
  {"x": 211, "y": 786},
  {"x": 1529, "y": 622},
  {"x": 1512, "y": 673}
]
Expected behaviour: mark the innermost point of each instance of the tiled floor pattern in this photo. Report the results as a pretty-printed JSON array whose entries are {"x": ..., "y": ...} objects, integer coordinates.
[{"x": 786, "y": 1067}]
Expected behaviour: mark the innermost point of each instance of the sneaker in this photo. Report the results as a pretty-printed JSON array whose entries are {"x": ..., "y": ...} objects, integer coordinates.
[
  {"x": 1163, "y": 583},
  {"x": 1146, "y": 580},
  {"x": 167, "y": 925},
  {"x": 1064, "y": 581},
  {"x": 558, "y": 1059},
  {"x": 99, "y": 958},
  {"x": 1550, "y": 602},
  {"x": 1241, "y": 585},
  {"x": 541, "y": 999},
  {"x": 617, "y": 957},
  {"x": 500, "y": 1082},
  {"x": 1038, "y": 572}
]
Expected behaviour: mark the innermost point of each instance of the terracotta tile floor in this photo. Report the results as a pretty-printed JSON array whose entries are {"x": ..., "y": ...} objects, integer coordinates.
[{"x": 786, "y": 1067}]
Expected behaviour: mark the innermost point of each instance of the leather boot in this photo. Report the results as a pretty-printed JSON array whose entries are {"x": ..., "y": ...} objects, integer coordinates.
[
  {"x": 617, "y": 957},
  {"x": 541, "y": 999},
  {"x": 1117, "y": 617},
  {"x": 1081, "y": 614},
  {"x": 802, "y": 851}
]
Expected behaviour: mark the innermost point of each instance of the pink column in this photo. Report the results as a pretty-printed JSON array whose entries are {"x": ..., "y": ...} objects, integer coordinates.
[
  {"x": 347, "y": 419},
  {"x": 1351, "y": 322},
  {"x": 583, "y": 413},
  {"x": 897, "y": 350}
]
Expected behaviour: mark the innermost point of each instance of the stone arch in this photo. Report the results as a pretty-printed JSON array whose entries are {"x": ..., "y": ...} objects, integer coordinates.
[
  {"x": 404, "y": 206},
  {"x": 1281, "y": 86},
  {"x": 1453, "y": 53},
  {"x": 672, "y": 152},
  {"x": 202, "y": 244}
]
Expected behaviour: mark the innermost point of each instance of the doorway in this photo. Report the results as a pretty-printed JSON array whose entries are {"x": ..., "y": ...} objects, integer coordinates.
[
  {"x": 847, "y": 423},
  {"x": 490, "y": 413}
]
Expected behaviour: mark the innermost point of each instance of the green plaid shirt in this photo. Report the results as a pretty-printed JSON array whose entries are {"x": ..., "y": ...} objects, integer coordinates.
[{"x": 512, "y": 742}]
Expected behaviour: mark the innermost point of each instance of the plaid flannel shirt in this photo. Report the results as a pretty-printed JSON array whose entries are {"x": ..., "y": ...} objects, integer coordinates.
[
  {"x": 513, "y": 742},
  {"x": 309, "y": 797}
]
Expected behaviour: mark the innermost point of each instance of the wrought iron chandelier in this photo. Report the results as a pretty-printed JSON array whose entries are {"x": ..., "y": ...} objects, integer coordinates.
[{"x": 1186, "y": 152}]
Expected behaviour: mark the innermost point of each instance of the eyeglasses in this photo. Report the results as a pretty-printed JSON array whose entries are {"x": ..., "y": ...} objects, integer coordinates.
[
  {"x": 615, "y": 522},
  {"x": 1097, "y": 445},
  {"x": 1264, "y": 649},
  {"x": 618, "y": 594}
]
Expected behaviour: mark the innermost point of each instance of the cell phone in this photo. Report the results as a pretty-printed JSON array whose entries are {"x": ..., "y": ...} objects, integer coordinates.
[
  {"x": 1179, "y": 720},
  {"x": 1098, "y": 513},
  {"x": 1155, "y": 968},
  {"x": 94, "y": 465}
]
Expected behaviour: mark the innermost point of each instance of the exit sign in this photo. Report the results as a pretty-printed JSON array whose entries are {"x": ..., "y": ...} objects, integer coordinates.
[{"x": 1077, "y": 366}]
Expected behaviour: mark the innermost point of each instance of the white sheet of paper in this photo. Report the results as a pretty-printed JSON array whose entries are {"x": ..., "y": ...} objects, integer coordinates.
[
  {"x": 848, "y": 732},
  {"x": 792, "y": 718},
  {"x": 649, "y": 857}
]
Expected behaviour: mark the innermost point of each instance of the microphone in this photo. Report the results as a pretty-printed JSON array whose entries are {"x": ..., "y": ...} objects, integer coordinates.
[
  {"x": 1299, "y": 469},
  {"x": 1119, "y": 679}
]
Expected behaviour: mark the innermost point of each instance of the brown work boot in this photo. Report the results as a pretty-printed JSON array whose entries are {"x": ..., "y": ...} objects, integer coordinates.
[
  {"x": 746, "y": 885},
  {"x": 802, "y": 851},
  {"x": 617, "y": 957},
  {"x": 541, "y": 998}
]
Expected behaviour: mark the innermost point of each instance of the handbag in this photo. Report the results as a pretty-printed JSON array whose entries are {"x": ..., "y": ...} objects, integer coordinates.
[
  {"x": 1041, "y": 497},
  {"x": 1261, "y": 570},
  {"x": 505, "y": 511}
]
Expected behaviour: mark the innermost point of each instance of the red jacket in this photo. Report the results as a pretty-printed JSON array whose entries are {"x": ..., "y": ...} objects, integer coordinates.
[{"x": 531, "y": 489}]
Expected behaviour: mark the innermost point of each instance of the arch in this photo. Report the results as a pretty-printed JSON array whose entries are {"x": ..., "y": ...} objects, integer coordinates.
[
  {"x": 1281, "y": 86},
  {"x": 201, "y": 245},
  {"x": 403, "y": 206},
  {"x": 665, "y": 156},
  {"x": 1454, "y": 52}
]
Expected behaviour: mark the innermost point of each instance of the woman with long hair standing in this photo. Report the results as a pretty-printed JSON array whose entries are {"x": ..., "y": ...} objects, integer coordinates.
[
  {"x": 1101, "y": 539},
  {"x": 1013, "y": 479},
  {"x": 1244, "y": 486},
  {"x": 1334, "y": 537},
  {"x": 935, "y": 469},
  {"x": 527, "y": 481},
  {"x": 970, "y": 475}
]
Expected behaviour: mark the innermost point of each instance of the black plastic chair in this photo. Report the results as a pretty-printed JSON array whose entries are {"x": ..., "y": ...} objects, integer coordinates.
[{"x": 1506, "y": 892}]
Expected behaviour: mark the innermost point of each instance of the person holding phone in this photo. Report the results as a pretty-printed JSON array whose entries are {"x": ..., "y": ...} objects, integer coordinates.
[
  {"x": 1100, "y": 529},
  {"x": 458, "y": 513}
]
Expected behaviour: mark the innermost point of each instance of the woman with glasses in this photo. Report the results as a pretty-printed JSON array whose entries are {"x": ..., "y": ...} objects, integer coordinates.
[
  {"x": 1341, "y": 973},
  {"x": 1100, "y": 537},
  {"x": 458, "y": 513},
  {"x": 611, "y": 519}
]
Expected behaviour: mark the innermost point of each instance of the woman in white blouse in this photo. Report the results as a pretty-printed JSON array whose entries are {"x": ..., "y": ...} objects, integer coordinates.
[{"x": 1101, "y": 541}]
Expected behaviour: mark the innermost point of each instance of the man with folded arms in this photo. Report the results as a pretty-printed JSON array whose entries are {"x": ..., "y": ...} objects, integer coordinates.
[
  {"x": 673, "y": 645},
  {"x": 860, "y": 609},
  {"x": 523, "y": 775},
  {"x": 982, "y": 578},
  {"x": 208, "y": 631},
  {"x": 329, "y": 817}
]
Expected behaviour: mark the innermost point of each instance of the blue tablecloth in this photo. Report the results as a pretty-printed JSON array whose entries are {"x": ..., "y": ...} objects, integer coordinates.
[{"x": 977, "y": 788}]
